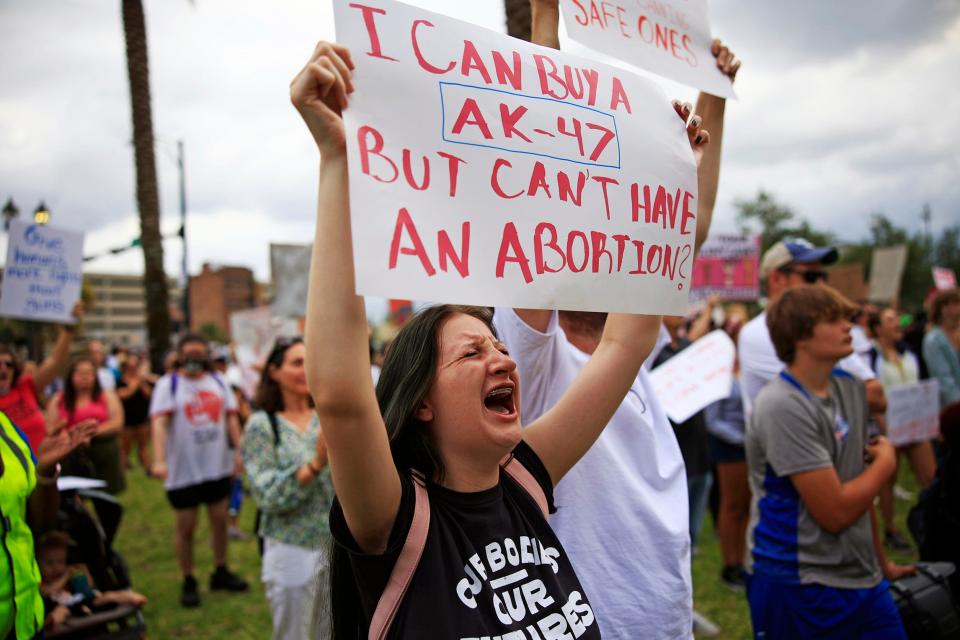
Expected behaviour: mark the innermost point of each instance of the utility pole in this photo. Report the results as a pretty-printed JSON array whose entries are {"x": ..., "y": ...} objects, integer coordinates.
[{"x": 185, "y": 295}]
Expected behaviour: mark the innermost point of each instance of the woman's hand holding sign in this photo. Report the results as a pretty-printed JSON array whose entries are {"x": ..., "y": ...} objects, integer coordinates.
[{"x": 319, "y": 92}]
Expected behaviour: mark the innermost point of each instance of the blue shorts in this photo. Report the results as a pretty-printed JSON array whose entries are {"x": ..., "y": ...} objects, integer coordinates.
[{"x": 787, "y": 611}]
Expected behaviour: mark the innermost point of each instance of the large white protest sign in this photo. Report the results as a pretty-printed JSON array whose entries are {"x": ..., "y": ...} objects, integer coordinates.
[
  {"x": 43, "y": 274},
  {"x": 886, "y": 272},
  {"x": 487, "y": 170},
  {"x": 698, "y": 376},
  {"x": 290, "y": 272},
  {"x": 254, "y": 332},
  {"x": 913, "y": 412},
  {"x": 668, "y": 37}
]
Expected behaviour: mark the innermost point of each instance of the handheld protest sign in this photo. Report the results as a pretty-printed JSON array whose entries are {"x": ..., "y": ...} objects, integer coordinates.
[
  {"x": 727, "y": 266},
  {"x": 43, "y": 274},
  {"x": 913, "y": 412},
  {"x": 668, "y": 37},
  {"x": 696, "y": 377},
  {"x": 487, "y": 170}
]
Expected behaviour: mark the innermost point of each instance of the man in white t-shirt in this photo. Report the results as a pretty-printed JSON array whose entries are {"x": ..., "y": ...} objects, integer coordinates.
[
  {"x": 785, "y": 265},
  {"x": 194, "y": 423},
  {"x": 622, "y": 509}
]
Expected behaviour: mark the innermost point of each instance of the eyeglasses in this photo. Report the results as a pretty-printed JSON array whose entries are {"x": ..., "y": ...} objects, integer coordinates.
[{"x": 811, "y": 276}]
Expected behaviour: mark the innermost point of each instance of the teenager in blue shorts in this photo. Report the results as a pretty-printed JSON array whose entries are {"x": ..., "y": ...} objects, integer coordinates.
[{"x": 816, "y": 568}]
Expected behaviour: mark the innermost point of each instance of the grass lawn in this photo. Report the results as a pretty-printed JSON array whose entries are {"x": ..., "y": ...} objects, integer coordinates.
[{"x": 146, "y": 541}]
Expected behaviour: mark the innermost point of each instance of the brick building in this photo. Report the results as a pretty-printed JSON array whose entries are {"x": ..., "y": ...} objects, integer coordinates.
[{"x": 216, "y": 292}]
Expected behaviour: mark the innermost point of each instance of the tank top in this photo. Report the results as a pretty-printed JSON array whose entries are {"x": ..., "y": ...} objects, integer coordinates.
[{"x": 96, "y": 409}]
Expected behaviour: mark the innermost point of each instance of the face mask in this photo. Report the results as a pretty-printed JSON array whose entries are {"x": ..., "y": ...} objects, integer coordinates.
[{"x": 194, "y": 365}]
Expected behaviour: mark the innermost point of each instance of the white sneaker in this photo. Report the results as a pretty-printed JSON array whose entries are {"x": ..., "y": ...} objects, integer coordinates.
[{"x": 704, "y": 627}]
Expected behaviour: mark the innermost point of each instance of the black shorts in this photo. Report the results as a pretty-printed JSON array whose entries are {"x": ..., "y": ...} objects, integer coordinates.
[
  {"x": 194, "y": 495},
  {"x": 722, "y": 451}
]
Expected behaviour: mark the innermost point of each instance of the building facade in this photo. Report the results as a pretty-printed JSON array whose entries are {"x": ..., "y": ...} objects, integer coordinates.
[
  {"x": 118, "y": 313},
  {"x": 216, "y": 292}
]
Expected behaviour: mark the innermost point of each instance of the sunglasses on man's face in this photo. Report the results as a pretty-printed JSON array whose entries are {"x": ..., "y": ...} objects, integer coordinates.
[{"x": 811, "y": 276}]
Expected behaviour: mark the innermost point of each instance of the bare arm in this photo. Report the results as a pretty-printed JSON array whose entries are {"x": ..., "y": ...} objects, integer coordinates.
[
  {"x": 701, "y": 325},
  {"x": 876, "y": 398},
  {"x": 55, "y": 364},
  {"x": 338, "y": 361},
  {"x": 836, "y": 505},
  {"x": 563, "y": 435},
  {"x": 114, "y": 423},
  {"x": 711, "y": 109},
  {"x": 545, "y": 23},
  {"x": 158, "y": 431}
]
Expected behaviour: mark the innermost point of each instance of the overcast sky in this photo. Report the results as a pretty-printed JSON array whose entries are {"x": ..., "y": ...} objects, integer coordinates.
[{"x": 846, "y": 108}]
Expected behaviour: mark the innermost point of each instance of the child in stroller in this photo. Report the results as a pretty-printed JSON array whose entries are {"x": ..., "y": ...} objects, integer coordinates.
[{"x": 68, "y": 590}]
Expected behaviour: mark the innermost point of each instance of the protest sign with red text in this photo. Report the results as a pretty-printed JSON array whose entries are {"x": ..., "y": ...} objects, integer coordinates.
[
  {"x": 487, "y": 170},
  {"x": 668, "y": 37},
  {"x": 728, "y": 266}
]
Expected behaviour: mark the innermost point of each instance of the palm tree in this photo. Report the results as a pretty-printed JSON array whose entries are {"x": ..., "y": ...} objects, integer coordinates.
[
  {"x": 518, "y": 18},
  {"x": 148, "y": 198}
]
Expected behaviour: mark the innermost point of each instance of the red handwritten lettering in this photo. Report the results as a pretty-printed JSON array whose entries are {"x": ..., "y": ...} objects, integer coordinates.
[
  {"x": 371, "y": 26},
  {"x": 405, "y": 224}
]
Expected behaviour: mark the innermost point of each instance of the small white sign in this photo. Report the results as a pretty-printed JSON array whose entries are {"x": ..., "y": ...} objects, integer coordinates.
[
  {"x": 668, "y": 37},
  {"x": 944, "y": 278},
  {"x": 696, "y": 377},
  {"x": 254, "y": 331},
  {"x": 913, "y": 412},
  {"x": 487, "y": 170},
  {"x": 43, "y": 274}
]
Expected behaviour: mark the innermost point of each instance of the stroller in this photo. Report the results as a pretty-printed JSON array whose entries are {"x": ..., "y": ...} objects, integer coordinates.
[{"x": 94, "y": 533}]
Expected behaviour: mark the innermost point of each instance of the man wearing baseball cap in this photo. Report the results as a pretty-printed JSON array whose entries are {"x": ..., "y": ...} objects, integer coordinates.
[{"x": 787, "y": 264}]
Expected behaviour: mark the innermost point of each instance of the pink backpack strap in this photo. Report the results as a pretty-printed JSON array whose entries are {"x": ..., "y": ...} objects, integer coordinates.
[
  {"x": 525, "y": 479},
  {"x": 406, "y": 564}
]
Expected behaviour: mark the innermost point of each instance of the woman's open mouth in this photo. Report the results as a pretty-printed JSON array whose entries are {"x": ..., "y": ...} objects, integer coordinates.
[{"x": 500, "y": 400}]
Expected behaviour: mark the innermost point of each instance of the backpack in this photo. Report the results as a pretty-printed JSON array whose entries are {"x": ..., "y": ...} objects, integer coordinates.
[
  {"x": 274, "y": 426},
  {"x": 409, "y": 558}
]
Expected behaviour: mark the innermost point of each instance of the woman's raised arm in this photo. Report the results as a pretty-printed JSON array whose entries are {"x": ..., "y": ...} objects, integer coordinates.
[{"x": 338, "y": 362}]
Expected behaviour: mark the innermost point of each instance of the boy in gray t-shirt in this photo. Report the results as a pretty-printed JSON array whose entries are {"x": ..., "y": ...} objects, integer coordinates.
[{"x": 815, "y": 567}]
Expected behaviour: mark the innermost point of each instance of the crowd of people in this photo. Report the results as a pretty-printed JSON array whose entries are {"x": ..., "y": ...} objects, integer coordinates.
[{"x": 500, "y": 472}]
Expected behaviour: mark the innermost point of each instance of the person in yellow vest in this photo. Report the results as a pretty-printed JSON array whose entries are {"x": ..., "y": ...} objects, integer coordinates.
[{"x": 27, "y": 482}]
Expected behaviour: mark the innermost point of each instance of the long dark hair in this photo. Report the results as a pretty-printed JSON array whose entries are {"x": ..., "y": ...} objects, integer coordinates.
[
  {"x": 268, "y": 396},
  {"x": 408, "y": 371},
  {"x": 70, "y": 392}
]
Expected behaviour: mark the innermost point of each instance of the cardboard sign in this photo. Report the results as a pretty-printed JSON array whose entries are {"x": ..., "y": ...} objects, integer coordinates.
[
  {"x": 486, "y": 170},
  {"x": 698, "y": 376},
  {"x": 848, "y": 280},
  {"x": 290, "y": 271},
  {"x": 254, "y": 332},
  {"x": 944, "y": 278},
  {"x": 668, "y": 37},
  {"x": 728, "y": 266},
  {"x": 43, "y": 274},
  {"x": 913, "y": 412},
  {"x": 886, "y": 272}
]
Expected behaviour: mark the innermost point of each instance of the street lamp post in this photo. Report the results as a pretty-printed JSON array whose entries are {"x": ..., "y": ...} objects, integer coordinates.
[
  {"x": 41, "y": 215},
  {"x": 185, "y": 293},
  {"x": 10, "y": 211}
]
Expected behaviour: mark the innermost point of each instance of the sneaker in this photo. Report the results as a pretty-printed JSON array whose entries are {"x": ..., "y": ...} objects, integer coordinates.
[
  {"x": 236, "y": 533},
  {"x": 896, "y": 541},
  {"x": 189, "y": 596},
  {"x": 704, "y": 627},
  {"x": 224, "y": 580},
  {"x": 732, "y": 578}
]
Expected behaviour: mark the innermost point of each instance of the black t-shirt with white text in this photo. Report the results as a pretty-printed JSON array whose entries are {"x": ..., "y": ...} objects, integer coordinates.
[{"x": 491, "y": 569}]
